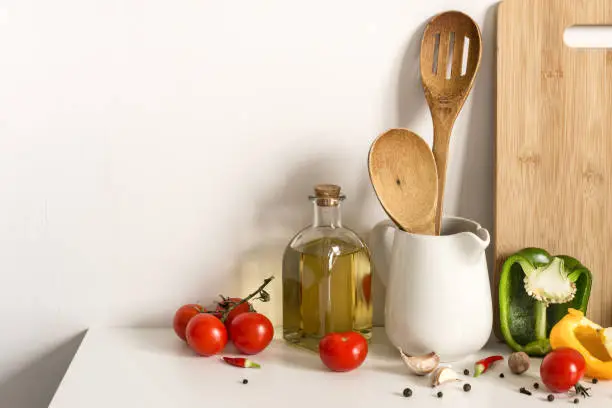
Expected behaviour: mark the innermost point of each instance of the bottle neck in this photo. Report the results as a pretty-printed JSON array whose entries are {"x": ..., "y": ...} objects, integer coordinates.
[{"x": 327, "y": 216}]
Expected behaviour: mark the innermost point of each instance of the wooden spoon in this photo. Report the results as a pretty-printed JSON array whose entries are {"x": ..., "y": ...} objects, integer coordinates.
[
  {"x": 450, "y": 56},
  {"x": 403, "y": 172}
]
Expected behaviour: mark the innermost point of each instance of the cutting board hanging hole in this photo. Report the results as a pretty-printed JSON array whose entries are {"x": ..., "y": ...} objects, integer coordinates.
[{"x": 588, "y": 36}]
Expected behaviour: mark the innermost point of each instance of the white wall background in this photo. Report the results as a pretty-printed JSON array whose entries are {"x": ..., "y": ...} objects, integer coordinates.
[{"x": 157, "y": 152}]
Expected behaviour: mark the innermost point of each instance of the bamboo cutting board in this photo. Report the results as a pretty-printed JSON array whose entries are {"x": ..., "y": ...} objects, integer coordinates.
[{"x": 554, "y": 139}]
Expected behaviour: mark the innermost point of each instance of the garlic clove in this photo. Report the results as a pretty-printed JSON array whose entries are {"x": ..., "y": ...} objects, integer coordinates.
[
  {"x": 442, "y": 375},
  {"x": 420, "y": 365}
]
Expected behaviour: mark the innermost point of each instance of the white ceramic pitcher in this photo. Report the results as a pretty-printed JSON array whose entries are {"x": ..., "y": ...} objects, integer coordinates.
[{"x": 438, "y": 296}]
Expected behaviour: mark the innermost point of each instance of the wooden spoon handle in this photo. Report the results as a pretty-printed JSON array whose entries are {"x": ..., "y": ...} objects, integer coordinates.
[{"x": 442, "y": 133}]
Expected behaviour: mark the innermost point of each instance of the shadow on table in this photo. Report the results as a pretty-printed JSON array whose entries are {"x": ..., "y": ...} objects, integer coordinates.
[
  {"x": 34, "y": 385},
  {"x": 296, "y": 357},
  {"x": 397, "y": 369},
  {"x": 388, "y": 357}
]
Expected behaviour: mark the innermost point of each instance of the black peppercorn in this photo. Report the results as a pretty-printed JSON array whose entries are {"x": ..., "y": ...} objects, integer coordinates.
[
  {"x": 439, "y": 394},
  {"x": 576, "y": 400},
  {"x": 501, "y": 375},
  {"x": 467, "y": 387},
  {"x": 595, "y": 381},
  {"x": 536, "y": 385},
  {"x": 466, "y": 372},
  {"x": 245, "y": 381},
  {"x": 407, "y": 392},
  {"x": 550, "y": 397}
]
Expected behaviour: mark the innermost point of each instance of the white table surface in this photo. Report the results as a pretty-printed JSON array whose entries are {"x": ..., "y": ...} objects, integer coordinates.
[{"x": 152, "y": 368}]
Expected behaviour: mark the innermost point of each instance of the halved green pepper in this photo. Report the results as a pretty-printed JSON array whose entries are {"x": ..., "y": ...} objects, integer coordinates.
[{"x": 535, "y": 291}]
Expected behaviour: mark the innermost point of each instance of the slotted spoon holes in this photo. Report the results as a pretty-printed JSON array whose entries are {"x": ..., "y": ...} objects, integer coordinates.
[
  {"x": 436, "y": 53},
  {"x": 452, "y": 52}
]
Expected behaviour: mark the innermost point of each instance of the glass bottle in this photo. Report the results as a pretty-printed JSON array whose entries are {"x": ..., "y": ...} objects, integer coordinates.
[{"x": 326, "y": 276}]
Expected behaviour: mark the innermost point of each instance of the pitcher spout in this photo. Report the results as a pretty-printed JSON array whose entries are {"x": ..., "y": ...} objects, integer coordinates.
[
  {"x": 474, "y": 243},
  {"x": 480, "y": 239},
  {"x": 474, "y": 237}
]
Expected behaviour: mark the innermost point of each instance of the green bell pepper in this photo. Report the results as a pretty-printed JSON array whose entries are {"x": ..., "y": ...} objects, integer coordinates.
[{"x": 535, "y": 291}]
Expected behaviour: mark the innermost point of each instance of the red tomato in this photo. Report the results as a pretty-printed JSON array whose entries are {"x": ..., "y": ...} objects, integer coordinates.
[
  {"x": 343, "y": 351},
  {"x": 223, "y": 306},
  {"x": 206, "y": 334},
  {"x": 251, "y": 332},
  {"x": 182, "y": 317},
  {"x": 561, "y": 369}
]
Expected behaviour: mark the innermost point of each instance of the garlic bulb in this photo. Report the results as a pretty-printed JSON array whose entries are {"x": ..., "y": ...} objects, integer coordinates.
[{"x": 421, "y": 365}]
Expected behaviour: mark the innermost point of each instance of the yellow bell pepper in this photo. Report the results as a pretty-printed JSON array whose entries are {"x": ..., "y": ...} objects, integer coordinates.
[{"x": 589, "y": 339}]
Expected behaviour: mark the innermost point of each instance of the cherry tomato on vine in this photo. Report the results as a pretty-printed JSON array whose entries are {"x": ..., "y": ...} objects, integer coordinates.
[
  {"x": 226, "y": 304},
  {"x": 251, "y": 332},
  {"x": 343, "y": 351},
  {"x": 561, "y": 369},
  {"x": 206, "y": 334},
  {"x": 182, "y": 317}
]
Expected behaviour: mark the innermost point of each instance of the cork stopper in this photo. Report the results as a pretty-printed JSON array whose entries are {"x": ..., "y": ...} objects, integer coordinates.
[{"x": 327, "y": 195}]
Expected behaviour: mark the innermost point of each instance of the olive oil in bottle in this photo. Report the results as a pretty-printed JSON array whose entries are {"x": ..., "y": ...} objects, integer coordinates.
[{"x": 326, "y": 277}]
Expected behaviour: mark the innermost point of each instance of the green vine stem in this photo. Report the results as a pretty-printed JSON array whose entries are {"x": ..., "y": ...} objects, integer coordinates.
[{"x": 264, "y": 297}]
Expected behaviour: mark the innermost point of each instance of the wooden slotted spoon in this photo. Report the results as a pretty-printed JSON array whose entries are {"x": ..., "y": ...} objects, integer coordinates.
[
  {"x": 450, "y": 56},
  {"x": 403, "y": 172}
]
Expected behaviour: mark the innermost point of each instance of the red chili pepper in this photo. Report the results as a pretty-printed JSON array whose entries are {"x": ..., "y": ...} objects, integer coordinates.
[
  {"x": 241, "y": 362},
  {"x": 483, "y": 365}
]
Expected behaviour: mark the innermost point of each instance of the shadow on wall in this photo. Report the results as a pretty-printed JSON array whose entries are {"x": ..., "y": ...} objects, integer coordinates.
[
  {"x": 476, "y": 200},
  {"x": 35, "y": 385},
  {"x": 285, "y": 209},
  {"x": 283, "y": 212},
  {"x": 410, "y": 105},
  {"x": 410, "y": 97}
]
